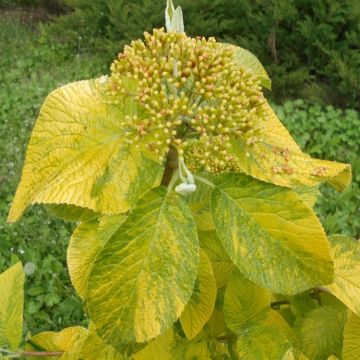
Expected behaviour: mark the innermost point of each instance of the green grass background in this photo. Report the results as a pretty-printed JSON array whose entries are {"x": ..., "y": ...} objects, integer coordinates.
[{"x": 30, "y": 67}]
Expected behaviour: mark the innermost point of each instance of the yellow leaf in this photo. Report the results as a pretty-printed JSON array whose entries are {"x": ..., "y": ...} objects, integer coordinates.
[
  {"x": 202, "y": 302},
  {"x": 11, "y": 306},
  {"x": 276, "y": 158},
  {"x": 78, "y": 155}
]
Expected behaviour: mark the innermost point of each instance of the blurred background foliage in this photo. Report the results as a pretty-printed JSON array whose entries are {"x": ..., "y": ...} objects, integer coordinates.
[{"x": 311, "y": 49}]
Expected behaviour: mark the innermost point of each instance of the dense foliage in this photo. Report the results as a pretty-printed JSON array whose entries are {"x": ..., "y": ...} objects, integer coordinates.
[
  {"x": 163, "y": 219},
  {"x": 310, "y": 48}
]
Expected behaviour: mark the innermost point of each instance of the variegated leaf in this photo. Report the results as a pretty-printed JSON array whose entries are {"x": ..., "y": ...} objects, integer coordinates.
[
  {"x": 276, "y": 158},
  {"x": 144, "y": 275},
  {"x": 351, "y": 346},
  {"x": 270, "y": 234},
  {"x": 78, "y": 155}
]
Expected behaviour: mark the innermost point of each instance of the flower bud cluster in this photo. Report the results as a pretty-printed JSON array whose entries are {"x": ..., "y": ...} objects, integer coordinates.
[{"x": 186, "y": 88}]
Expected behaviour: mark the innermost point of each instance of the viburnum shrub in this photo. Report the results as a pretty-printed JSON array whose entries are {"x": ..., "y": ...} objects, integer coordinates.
[{"x": 196, "y": 235}]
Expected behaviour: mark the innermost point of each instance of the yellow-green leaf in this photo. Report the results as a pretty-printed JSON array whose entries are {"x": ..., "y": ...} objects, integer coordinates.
[
  {"x": 276, "y": 158},
  {"x": 78, "y": 155},
  {"x": 202, "y": 302},
  {"x": 11, "y": 306},
  {"x": 76, "y": 343},
  {"x": 86, "y": 241},
  {"x": 158, "y": 349},
  {"x": 262, "y": 340},
  {"x": 270, "y": 234},
  {"x": 220, "y": 261},
  {"x": 243, "y": 302},
  {"x": 43, "y": 341},
  {"x": 199, "y": 203},
  {"x": 294, "y": 354},
  {"x": 346, "y": 286},
  {"x": 83, "y": 247},
  {"x": 72, "y": 212},
  {"x": 320, "y": 332},
  {"x": 308, "y": 195},
  {"x": 144, "y": 275},
  {"x": 193, "y": 350},
  {"x": 351, "y": 347},
  {"x": 251, "y": 64}
]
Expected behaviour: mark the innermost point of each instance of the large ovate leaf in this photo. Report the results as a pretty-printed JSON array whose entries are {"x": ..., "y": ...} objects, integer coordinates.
[
  {"x": 78, "y": 155},
  {"x": 202, "y": 302},
  {"x": 86, "y": 241},
  {"x": 276, "y": 158},
  {"x": 243, "y": 302},
  {"x": 346, "y": 286},
  {"x": 320, "y": 332},
  {"x": 11, "y": 306},
  {"x": 249, "y": 62},
  {"x": 351, "y": 346},
  {"x": 144, "y": 275},
  {"x": 221, "y": 263},
  {"x": 270, "y": 234}
]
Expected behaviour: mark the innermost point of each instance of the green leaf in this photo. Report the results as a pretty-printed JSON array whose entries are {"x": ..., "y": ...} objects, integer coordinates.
[
  {"x": 251, "y": 64},
  {"x": 270, "y": 234},
  {"x": 320, "y": 332},
  {"x": 276, "y": 158},
  {"x": 346, "y": 286},
  {"x": 150, "y": 263},
  {"x": 202, "y": 302},
  {"x": 158, "y": 349},
  {"x": 351, "y": 348},
  {"x": 244, "y": 301},
  {"x": 11, "y": 306},
  {"x": 78, "y": 155},
  {"x": 221, "y": 263},
  {"x": 85, "y": 243}
]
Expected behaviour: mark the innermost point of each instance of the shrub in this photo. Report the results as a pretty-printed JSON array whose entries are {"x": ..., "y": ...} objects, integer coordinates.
[{"x": 196, "y": 235}]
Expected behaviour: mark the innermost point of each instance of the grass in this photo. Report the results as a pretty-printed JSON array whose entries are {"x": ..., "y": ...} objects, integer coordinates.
[{"x": 29, "y": 69}]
